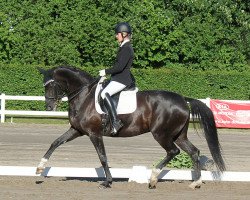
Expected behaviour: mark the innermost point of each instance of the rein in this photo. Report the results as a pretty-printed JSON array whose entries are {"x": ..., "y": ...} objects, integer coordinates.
[{"x": 75, "y": 93}]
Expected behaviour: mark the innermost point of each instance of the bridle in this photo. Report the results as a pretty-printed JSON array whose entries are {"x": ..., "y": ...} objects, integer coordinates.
[
  {"x": 57, "y": 95},
  {"x": 71, "y": 95}
]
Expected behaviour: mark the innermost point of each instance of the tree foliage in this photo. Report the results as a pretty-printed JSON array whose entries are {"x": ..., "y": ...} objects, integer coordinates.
[{"x": 194, "y": 34}]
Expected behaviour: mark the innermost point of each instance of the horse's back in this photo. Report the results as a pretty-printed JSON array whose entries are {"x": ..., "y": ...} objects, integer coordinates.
[
  {"x": 161, "y": 103},
  {"x": 162, "y": 97}
]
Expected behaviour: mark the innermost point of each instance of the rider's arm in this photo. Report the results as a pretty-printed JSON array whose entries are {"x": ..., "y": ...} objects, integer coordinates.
[{"x": 123, "y": 57}]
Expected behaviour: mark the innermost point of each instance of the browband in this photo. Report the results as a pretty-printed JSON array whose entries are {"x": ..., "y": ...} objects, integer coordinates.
[{"x": 49, "y": 81}]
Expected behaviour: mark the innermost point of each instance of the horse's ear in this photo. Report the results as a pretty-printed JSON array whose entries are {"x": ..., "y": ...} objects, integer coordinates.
[{"x": 41, "y": 70}]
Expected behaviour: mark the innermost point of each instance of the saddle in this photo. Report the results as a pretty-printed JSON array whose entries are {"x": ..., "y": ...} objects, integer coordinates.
[{"x": 125, "y": 101}]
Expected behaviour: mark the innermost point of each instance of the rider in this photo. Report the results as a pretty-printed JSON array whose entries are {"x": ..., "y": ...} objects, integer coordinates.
[{"x": 121, "y": 76}]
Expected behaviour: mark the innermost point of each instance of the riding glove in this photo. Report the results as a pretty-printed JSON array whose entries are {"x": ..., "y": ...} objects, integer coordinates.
[{"x": 102, "y": 72}]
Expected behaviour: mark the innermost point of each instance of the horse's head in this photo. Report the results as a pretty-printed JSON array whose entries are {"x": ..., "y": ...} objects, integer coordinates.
[
  {"x": 53, "y": 91},
  {"x": 62, "y": 81}
]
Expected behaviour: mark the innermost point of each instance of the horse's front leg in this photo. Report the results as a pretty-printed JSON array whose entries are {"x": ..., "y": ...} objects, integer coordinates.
[
  {"x": 99, "y": 146},
  {"x": 66, "y": 137}
]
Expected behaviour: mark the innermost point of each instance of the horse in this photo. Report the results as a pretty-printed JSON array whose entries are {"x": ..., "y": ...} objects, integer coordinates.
[{"x": 164, "y": 113}]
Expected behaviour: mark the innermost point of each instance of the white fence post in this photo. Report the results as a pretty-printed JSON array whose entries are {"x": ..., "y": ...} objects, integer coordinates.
[{"x": 2, "y": 108}]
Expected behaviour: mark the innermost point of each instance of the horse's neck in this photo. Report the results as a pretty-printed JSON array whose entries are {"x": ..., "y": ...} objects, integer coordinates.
[
  {"x": 84, "y": 80},
  {"x": 85, "y": 77},
  {"x": 78, "y": 76},
  {"x": 84, "y": 99},
  {"x": 77, "y": 82}
]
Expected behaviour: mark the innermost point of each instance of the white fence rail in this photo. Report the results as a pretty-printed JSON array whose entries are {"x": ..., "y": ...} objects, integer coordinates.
[
  {"x": 139, "y": 174},
  {"x": 12, "y": 113},
  {"x": 22, "y": 113}
]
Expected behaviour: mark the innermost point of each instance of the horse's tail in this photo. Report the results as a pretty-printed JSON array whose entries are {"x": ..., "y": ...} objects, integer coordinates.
[{"x": 205, "y": 117}]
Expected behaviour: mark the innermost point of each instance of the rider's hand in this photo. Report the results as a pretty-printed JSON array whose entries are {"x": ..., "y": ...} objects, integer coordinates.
[{"x": 102, "y": 72}]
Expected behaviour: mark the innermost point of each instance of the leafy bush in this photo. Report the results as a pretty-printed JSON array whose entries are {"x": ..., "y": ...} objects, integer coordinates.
[
  {"x": 181, "y": 161},
  {"x": 201, "y": 34}
]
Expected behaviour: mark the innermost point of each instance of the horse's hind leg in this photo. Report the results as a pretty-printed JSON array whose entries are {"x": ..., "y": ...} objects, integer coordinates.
[
  {"x": 66, "y": 137},
  {"x": 194, "y": 153},
  {"x": 172, "y": 151}
]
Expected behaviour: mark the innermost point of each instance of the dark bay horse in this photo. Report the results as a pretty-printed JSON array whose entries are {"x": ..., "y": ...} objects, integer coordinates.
[{"x": 165, "y": 114}]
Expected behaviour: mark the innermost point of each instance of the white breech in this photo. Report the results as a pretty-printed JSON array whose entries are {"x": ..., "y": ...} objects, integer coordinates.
[{"x": 112, "y": 88}]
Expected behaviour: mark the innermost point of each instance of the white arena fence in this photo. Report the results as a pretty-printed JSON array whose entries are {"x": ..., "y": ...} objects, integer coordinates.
[
  {"x": 139, "y": 174},
  {"x": 31, "y": 113},
  {"x": 25, "y": 113}
]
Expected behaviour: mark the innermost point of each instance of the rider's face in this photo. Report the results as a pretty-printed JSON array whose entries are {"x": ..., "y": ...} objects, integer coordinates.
[{"x": 119, "y": 37}]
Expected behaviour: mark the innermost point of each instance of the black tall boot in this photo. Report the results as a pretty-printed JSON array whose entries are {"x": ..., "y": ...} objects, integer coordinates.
[{"x": 116, "y": 123}]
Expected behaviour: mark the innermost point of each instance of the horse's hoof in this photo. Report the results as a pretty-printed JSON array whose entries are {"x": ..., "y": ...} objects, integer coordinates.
[
  {"x": 195, "y": 184},
  {"x": 39, "y": 170},
  {"x": 104, "y": 185},
  {"x": 154, "y": 178},
  {"x": 151, "y": 186}
]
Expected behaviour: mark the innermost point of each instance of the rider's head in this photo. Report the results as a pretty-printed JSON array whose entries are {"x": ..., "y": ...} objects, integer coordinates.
[{"x": 122, "y": 31}]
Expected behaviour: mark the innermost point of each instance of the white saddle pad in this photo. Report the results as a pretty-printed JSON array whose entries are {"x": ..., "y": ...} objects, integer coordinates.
[{"x": 127, "y": 101}]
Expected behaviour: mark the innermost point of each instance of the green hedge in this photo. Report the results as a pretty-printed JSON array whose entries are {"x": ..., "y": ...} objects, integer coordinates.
[
  {"x": 197, "y": 84},
  {"x": 203, "y": 34},
  {"x": 26, "y": 80}
]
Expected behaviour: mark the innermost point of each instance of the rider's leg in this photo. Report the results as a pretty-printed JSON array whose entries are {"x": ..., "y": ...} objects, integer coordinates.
[
  {"x": 116, "y": 123},
  {"x": 112, "y": 88}
]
